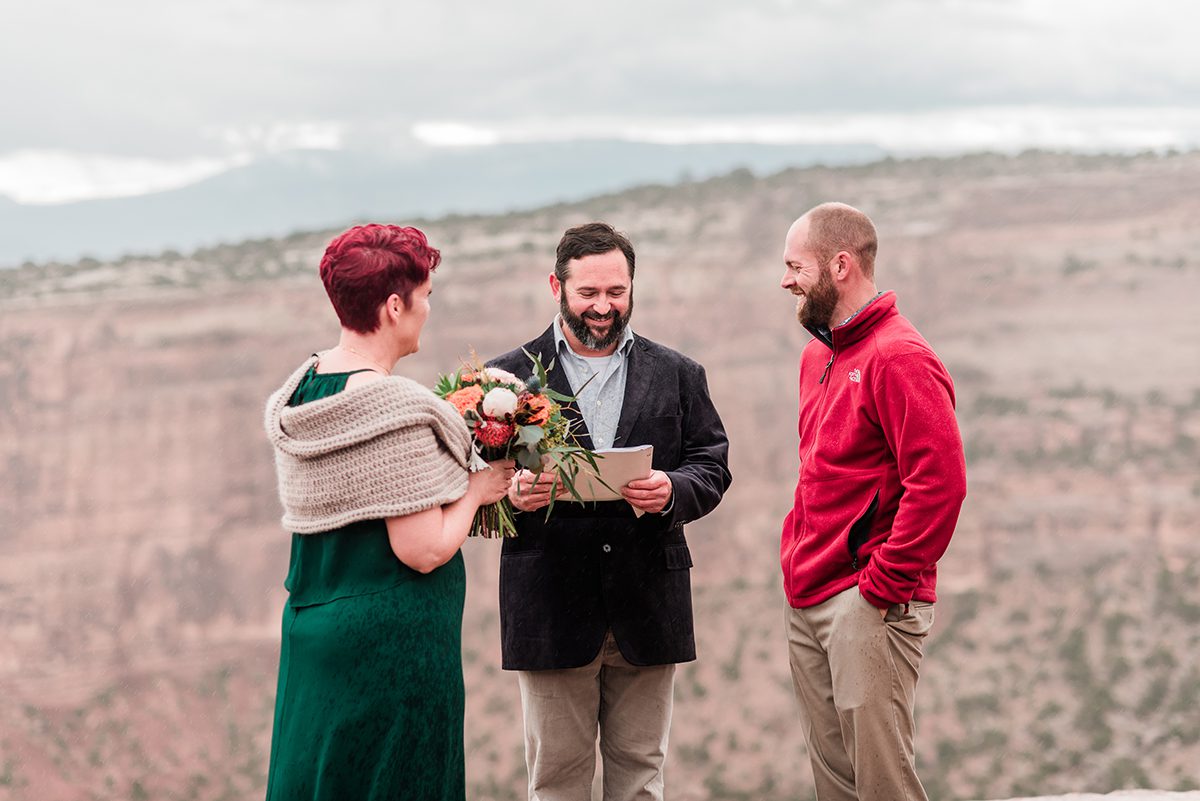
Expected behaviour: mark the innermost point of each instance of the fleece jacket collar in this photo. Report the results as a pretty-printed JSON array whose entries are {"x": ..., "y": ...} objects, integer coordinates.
[{"x": 881, "y": 306}]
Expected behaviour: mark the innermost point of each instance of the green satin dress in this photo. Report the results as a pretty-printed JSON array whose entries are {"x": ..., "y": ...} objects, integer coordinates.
[{"x": 370, "y": 698}]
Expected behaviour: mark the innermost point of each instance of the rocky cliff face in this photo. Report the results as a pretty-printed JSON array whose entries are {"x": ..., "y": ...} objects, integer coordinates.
[{"x": 140, "y": 588}]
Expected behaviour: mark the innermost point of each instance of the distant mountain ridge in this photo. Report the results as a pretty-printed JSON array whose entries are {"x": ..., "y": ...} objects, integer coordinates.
[{"x": 311, "y": 189}]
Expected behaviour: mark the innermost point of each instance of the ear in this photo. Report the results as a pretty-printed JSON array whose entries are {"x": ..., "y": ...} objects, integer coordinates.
[
  {"x": 844, "y": 260},
  {"x": 393, "y": 308},
  {"x": 555, "y": 286}
]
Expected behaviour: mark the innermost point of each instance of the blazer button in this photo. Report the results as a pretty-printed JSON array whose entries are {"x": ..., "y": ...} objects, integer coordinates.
[{"x": 607, "y": 548}]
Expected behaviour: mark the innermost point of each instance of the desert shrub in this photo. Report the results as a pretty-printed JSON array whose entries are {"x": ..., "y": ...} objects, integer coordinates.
[
  {"x": 1125, "y": 773},
  {"x": 1153, "y": 697}
]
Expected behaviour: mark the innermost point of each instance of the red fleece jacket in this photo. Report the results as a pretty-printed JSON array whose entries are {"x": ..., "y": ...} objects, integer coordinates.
[{"x": 882, "y": 475}]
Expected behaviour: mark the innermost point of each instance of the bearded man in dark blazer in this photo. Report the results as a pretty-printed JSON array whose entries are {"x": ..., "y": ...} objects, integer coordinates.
[{"x": 595, "y": 601}]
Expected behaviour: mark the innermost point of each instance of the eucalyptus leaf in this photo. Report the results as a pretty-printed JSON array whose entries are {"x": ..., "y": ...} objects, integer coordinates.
[
  {"x": 529, "y": 459},
  {"x": 530, "y": 435}
]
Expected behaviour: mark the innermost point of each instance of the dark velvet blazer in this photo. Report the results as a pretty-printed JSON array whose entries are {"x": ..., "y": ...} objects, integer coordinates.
[{"x": 592, "y": 567}]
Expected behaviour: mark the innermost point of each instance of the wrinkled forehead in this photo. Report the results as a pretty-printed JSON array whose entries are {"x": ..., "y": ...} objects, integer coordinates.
[
  {"x": 599, "y": 271},
  {"x": 795, "y": 244}
]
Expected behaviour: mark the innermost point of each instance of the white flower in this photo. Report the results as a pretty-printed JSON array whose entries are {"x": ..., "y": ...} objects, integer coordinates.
[
  {"x": 499, "y": 402},
  {"x": 502, "y": 376}
]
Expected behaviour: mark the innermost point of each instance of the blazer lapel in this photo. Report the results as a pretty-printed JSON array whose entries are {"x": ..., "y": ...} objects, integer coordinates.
[
  {"x": 638, "y": 380},
  {"x": 557, "y": 378}
]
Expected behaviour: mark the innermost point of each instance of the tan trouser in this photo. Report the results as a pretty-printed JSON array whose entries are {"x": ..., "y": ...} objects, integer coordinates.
[
  {"x": 855, "y": 676},
  {"x": 631, "y": 706}
]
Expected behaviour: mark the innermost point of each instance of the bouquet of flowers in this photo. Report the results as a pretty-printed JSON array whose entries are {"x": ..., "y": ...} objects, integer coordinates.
[{"x": 520, "y": 419}]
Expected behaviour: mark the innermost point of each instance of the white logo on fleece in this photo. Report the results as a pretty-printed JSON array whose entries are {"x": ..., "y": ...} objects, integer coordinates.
[{"x": 856, "y": 376}]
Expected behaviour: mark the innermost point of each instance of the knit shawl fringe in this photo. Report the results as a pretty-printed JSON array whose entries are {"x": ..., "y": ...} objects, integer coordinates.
[{"x": 383, "y": 449}]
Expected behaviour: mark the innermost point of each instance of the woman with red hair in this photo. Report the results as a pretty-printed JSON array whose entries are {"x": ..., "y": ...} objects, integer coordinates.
[{"x": 379, "y": 483}]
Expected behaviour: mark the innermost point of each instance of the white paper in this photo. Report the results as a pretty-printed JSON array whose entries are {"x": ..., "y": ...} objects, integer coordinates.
[{"x": 618, "y": 467}]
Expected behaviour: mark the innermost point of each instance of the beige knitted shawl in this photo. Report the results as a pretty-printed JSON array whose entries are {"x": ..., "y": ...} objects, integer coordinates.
[{"x": 383, "y": 449}]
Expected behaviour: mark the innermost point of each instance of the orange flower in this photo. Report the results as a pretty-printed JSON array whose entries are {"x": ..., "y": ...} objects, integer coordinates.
[
  {"x": 539, "y": 408},
  {"x": 466, "y": 398}
]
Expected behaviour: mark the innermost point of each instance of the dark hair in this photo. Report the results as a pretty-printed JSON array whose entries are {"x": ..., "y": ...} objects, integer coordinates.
[
  {"x": 591, "y": 239},
  {"x": 365, "y": 265}
]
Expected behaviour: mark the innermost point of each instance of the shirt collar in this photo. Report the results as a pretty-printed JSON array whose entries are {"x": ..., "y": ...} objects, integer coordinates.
[
  {"x": 560, "y": 339},
  {"x": 825, "y": 333},
  {"x": 859, "y": 310}
]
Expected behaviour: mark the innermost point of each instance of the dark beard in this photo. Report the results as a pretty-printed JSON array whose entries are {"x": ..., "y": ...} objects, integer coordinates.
[
  {"x": 817, "y": 309},
  {"x": 579, "y": 327}
]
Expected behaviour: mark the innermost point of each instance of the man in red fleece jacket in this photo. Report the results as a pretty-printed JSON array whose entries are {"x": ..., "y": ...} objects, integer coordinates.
[{"x": 882, "y": 479}]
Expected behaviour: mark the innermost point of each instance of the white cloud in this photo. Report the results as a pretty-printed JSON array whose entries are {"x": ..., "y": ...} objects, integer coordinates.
[
  {"x": 1001, "y": 128},
  {"x": 278, "y": 137},
  {"x": 49, "y": 176},
  {"x": 144, "y": 78},
  {"x": 60, "y": 176},
  {"x": 454, "y": 134},
  {"x": 46, "y": 176},
  {"x": 176, "y": 90}
]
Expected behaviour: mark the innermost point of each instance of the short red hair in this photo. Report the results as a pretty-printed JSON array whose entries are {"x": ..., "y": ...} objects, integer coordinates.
[{"x": 365, "y": 265}]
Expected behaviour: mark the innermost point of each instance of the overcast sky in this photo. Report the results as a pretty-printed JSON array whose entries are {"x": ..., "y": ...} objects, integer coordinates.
[{"x": 139, "y": 88}]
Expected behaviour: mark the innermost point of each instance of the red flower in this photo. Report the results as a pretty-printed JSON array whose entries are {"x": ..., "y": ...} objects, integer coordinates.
[{"x": 493, "y": 434}]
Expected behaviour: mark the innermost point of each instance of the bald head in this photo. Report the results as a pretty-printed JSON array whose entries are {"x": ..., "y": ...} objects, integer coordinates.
[{"x": 834, "y": 227}]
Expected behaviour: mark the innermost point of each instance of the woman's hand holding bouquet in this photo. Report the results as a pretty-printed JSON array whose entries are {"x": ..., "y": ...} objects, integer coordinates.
[
  {"x": 522, "y": 420},
  {"x": 491, "y": 485}
]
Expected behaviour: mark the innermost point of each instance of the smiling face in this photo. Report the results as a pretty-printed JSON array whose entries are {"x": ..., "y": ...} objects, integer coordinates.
[
  {"x": 596, "y": 301},
  {"x": 806, "y": 277}
]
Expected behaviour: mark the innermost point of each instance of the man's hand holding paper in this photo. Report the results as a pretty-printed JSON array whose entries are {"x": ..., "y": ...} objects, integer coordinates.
[
  {"x": 650, "y": 494},
  {"x": 625, "y": 473},
  {"x": 625, "y": 470}
]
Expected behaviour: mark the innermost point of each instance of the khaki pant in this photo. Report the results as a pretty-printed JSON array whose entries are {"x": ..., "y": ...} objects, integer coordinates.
[
  {"x": 855, "y": 676},
  {"x": 630, "y": 705}
]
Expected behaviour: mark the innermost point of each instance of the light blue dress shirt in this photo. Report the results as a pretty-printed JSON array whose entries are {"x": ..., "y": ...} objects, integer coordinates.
[{"x": 601, "y": 399}]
